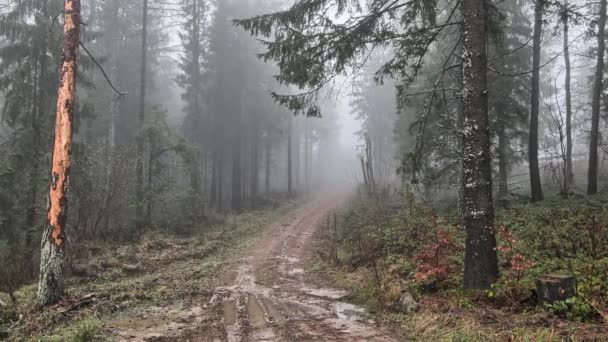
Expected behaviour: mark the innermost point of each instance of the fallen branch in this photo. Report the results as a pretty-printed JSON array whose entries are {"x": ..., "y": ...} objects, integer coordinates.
[{"x": 86, "y": 300}]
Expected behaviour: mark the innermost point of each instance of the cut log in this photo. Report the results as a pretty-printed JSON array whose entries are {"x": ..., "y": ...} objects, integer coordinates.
[{"x": 555, "y": 287}]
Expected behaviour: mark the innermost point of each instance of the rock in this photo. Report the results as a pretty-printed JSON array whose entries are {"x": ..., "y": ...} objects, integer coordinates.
[
  {"x": 555, "y": 287},
  {"x": 407, "y": 304},
  {"x": 130, "y": 268}
]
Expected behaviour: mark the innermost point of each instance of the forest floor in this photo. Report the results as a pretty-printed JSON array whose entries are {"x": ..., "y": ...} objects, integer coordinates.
[{"x": 236, "y": 282}]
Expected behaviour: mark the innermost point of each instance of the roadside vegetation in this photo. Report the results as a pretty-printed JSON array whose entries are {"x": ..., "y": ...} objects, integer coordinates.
[
  {"x": 161, "y": 272},
  {"x": 384, "y": 248}
]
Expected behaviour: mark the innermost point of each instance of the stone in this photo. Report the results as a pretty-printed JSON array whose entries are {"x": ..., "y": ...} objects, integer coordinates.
[{"x": 407, "y": 304}]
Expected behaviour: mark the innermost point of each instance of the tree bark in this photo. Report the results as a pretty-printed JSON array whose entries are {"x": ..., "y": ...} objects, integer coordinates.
[
  {"x": 481, "y": 264},
  {"x": 290, "y": 156},
  {"x": 307, "y": 155},
  {"x": 268, "y": 161},
  {"x": 254, "y": 182},
  {"x": 50, "y": 287},
  {"x": 535, "y": 182},
  {"x": 196, "y": 82},
  {"x": 568, "y": 176},
  {"x": 596, "y": 103},
  {"x": 139, "y": 208},
  {"x": 503, "y": 187}
]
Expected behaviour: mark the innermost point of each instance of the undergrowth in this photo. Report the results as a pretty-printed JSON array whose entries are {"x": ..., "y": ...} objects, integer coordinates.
[
  {"x": 160, "y": 269},
  {"x": 387, "y": 245}
]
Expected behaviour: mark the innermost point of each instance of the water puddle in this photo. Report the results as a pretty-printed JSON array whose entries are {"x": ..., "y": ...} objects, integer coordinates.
[{"x": 332, "y": 294}]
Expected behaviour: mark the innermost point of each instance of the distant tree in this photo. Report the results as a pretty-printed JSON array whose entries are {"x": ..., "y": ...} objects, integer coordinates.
[
  {"x": 568, "y": 176},
  {"x": 598, "y": 87},
  {"x": 190, "y": 79},
  {"x": 139, "y": 206},
  {"x": 535, "y": 181},
  {"x": 509, "y": 87},
  {"x": 52, "y": 254}
]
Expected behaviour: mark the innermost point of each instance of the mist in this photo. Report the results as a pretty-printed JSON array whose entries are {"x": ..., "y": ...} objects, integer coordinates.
[{"x": 263, "y": 170}]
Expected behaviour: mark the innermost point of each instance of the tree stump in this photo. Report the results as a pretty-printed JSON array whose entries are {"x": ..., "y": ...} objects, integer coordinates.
[{"x": 555, "y": 287}]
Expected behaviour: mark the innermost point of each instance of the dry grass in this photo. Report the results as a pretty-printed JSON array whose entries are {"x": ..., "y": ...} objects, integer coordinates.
[{"x": 159, "y": 270}]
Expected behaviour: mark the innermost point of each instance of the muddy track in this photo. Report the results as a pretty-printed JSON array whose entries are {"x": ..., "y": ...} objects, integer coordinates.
[
  {"x": 269, "y": 299},
  {"x": 264, "y": 295}
]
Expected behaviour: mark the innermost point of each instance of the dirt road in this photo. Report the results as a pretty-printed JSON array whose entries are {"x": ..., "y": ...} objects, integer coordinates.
[
  {"x": 268, "y": 298},
  {"x": 264, "y": 295}
]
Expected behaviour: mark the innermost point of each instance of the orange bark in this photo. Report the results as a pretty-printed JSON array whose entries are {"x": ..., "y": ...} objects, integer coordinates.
[{"x": 62, "y": 151}]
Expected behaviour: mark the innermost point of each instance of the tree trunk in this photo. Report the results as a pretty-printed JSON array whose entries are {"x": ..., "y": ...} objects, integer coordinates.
[
  {"x": 50, "y": 287},
  {"x": 268, "y": 161},
  {"x": 236, "y": 176},
  {"x": 568, "y": 176},
  {"x": 254, "y": 182},
  {"x": 237, "y": 147},
  {"x": 535, "y": 182},
  {"x": 196, "y": 80},
  {"x": 596, "y": 104},
  {"x": 139, "y": 209},
  {"x": 290, "y": 156},
  {"x": 503, "y": 187},
  {"x": 214, "y": 179},
  {"x": 481, "y": 264},
  {"x": 307, "y": 155}
]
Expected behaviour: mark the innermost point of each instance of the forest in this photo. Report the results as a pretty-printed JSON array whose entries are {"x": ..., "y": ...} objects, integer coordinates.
[{"x": 303, "y": 170}]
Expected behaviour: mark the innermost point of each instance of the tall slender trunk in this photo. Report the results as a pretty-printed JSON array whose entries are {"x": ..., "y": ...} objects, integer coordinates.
[
  {"x": 254, "y": 182},
  {"x": 150, "y": 174},
  {"x": 568, "y": 176},
  {"x": 503, "y": 187},
  {"x": 535, "y": 182},
  {"x": 290, "y": 156},
  {"x": 236, "y": 175},
  {"x": 307, "y": 155},
  {"x": 481, "y": 264},
  {"x": 52, "y": 253},
  {"x": 268, "y": 161},
  {"x": 220, "y": 184},
  {"x": 196, "y": 80},
  {"x": 116, "y": 102},
  {"x": 139, "y": 209},
  {"x": 297, "y": 154},
  {"x": 237, "y": 161},
  {"x": 596, "y": 103},
  {"x": 214, "y": 180}
]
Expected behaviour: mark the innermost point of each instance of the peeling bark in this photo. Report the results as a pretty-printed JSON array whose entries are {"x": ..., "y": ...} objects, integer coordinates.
[{"x": 50, "y": 288}]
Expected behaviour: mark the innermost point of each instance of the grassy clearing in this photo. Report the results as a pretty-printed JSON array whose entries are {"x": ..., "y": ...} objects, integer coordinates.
[
  {"x": 110, "y": 282},
  {"x": 384, "y": 246}
]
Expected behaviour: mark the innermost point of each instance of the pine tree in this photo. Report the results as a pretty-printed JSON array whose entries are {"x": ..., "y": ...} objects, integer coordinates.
[
  {"x": 596, "y": 102},
  {"x": 535, "y": 181},
  {"x": 52, "y": 254},
  {"x": 195, "y": 123}
]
